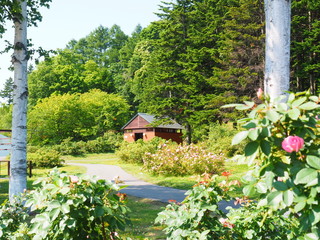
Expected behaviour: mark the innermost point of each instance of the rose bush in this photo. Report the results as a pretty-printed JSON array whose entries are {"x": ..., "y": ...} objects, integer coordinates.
[
  {"x": 198, "y": 216},
  {"x": 66, "y": 207},
  {"x": 283, "y": 141},
  {"x": 180, "y": 160}
]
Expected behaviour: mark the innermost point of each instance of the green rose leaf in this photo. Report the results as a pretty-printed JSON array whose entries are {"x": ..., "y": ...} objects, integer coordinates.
[
  {"x": 249, "y": 190},
  {"x": 288, "y": 197},
  {"x": 299, "y": 206},
  {"x": 280, "y": 186},
  {"x": 251, "y": 148},
  {"x": 274, "y": 198},
  {"x": 265, "y": 147},
  {"x": 262, "y": 187},
  {"x": 249, "y": 125},
  {"x": 298, "y": 102},
  {"x": 309, "y": 106},
  {"x": 311, "y": 236},
  {"x": 313, "y": 161},
  {"x": 294, "y": 113},
  {"x": 273, "y": 115},
  {"x": 239, "y": 137},
  {"x": 253, "y": 134},
  {"x": 306, "y": 175},
  {"x": 99, "y": 211}
]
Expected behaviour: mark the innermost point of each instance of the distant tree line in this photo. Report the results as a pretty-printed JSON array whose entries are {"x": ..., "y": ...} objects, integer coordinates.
[{"x": 200, "y": 55}]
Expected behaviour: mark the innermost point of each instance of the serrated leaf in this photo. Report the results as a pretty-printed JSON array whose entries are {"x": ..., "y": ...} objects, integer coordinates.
[
  {"x": 239, "y": 137},
  {"x": 294, "y": 113},
  {"x": 288, "y": 197},
  {"x": 99, "y": 211},
  {"x": 253, "y": 134},
  {"x": 299, "y": 206},
  {"x": 313, "y": 161},
  {"x": 64, "y": 190},
  {"x": 249, "y": 190},
  {"x": 65, "y": 208},
  {"x": 309, "y": 106},
  {"x": 298, "y": 102},
  {"x": 265, "y": 147},
  {"x": 280, "y": 186},
  {"x": 273, "y": 115},
  {"x": 249, "y": 125},
  {"x": 291, "y": 97},
  {"x": 306, "y": 175},
  {"x": 314, "y": 98},
  {"x": 262, "y": 187},
  {"x": 251, "y": 148},
  {"x": 311, "y": 236},
  {"x": 54, "y": 213},
  {"x": 274, "y": 198},
  {"x": 249, "y": 104}
]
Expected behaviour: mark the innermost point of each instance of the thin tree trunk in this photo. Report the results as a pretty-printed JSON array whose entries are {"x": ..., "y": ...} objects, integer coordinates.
[
  {"x": 277, "y": 61},
  {"x": 189, "y": 133},
  {"x": 18, "y": 166}
]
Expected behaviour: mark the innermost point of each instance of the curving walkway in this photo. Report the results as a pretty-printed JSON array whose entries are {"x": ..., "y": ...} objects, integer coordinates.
[{"x": 137, "y": 187}]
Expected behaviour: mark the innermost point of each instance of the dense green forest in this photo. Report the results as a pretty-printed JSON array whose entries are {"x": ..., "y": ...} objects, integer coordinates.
[{"x": 199, "y": 55}]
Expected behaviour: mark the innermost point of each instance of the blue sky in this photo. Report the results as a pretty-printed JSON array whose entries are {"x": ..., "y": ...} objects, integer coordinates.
[{"x": 74, "y": 19}]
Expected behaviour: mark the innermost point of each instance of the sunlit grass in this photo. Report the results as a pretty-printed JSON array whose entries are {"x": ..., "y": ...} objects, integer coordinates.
[{"x": 143, "y": 213}]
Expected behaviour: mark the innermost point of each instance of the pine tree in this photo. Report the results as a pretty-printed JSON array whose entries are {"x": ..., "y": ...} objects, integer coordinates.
[
  {"x": 305, "y": 59},
  {"x": 175, "y": 81},
  {"x": 242, "y": 48}
]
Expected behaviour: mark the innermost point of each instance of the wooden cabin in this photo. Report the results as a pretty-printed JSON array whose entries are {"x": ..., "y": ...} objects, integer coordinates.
[{"x": 141, "y": 127}]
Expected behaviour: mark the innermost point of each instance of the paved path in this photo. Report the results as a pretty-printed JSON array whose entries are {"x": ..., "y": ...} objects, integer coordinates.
[{"x": 137, "y": 187}]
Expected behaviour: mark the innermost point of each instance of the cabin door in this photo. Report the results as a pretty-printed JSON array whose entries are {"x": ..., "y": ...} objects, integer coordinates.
[{"x": 138, "y": 136}]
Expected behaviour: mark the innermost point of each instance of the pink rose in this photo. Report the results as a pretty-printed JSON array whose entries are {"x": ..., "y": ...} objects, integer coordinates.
[
  {"x": 74, "y": 179},
  {"x": 260, "y": 93},
  {"x": 292, "y": 144}
]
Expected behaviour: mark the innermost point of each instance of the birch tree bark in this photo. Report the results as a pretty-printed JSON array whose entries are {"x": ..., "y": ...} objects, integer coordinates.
[
  {"x": 18, "y": 166},
  {"x": 277, "y": 55}
]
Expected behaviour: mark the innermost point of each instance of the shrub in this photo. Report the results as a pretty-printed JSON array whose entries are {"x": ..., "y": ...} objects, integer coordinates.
[
  {"x": 45, "y": 158},
  {"x": 70, "y": 147},
  {"x": 76, "y": 207},
  {"x": 220, "y": 139},
  {"x": 107, "y": 143},
  {"x": 198, "y": 217},
  {"x": 66, "y": 207},
  {"x": 12, "y": 215},
  {"x": 135, "y": 151},
  {"x": 181, "y": 160},
  {"x": 283, "y": 146}
]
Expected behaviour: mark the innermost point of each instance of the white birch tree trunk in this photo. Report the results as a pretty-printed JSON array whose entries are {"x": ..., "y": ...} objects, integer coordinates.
[
  {"x": 277, "y": 55},
  {"x": 18, "y": 167}
]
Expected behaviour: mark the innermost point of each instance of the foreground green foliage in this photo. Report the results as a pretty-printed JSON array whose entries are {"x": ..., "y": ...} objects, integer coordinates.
[
  {"x": 198, "y": 217},
  {"x": 284, "y": 148},
  {"x": 69, "y": 207}
]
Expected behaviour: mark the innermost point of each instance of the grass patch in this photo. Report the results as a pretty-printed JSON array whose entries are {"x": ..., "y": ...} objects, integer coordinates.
[{"x": 144, "y": 212}]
